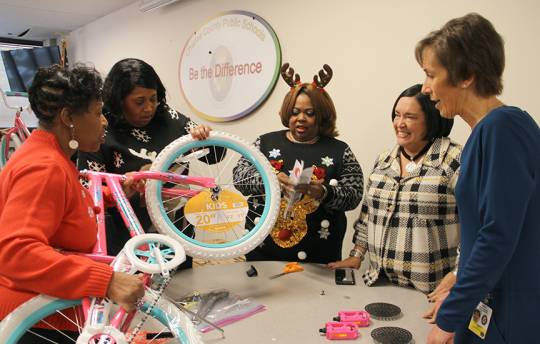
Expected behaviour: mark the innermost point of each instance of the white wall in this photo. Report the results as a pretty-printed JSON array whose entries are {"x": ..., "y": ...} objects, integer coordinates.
[{"x": 369, "y": 44}]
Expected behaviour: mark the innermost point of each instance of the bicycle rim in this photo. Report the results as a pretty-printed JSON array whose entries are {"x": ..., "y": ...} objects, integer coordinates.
[
  {"x": 3, "y": 157},
  {"x": 34, "y": 314},
  {"x": 214, "y": 228}
]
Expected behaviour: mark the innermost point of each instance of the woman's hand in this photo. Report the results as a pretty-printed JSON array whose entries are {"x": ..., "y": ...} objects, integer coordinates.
[
  {"x": 350, "y": 262},
  {"x": 443, "y": 288},
  {"x": 438, "y": 336},
  {"x": 285, "y": 183},
  {"x": 314, "y": 189},
  {"x": 200, "y": 132},
  {"x": 439, "y": 295},
  {"x": 130, "y": 186},
  {"x": 431, "y": 314},
  {"x": 125, "y": 290}
]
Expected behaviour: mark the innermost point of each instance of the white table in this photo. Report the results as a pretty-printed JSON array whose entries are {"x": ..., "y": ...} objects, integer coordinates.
[{"x": 296, "y": 306}]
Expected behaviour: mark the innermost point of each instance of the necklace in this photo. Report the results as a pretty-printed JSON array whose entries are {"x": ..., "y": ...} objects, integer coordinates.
[
  {"x": 292, "y": 139},
  {"x": 411, "y": 166}
]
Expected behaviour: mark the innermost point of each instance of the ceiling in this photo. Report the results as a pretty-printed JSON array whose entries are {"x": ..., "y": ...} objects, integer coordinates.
[{"x": 51, "y": 18}]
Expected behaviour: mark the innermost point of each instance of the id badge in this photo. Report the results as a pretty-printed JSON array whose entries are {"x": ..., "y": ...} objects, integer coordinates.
[{"x": 480, "y": 320}]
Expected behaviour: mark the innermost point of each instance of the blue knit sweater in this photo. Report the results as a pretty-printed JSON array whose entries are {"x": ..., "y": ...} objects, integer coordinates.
[{"x": 498, "y": 195}]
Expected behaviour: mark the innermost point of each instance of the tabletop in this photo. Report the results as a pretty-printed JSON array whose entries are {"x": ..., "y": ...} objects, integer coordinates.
[{"x": 298, "y": 304}]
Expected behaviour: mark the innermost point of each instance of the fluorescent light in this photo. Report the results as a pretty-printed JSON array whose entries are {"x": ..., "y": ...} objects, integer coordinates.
[{"x": 149, "y": 5}]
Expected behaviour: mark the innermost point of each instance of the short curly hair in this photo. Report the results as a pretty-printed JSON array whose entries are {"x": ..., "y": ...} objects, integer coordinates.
[
  {"x": 325, "y": 111},
  {"x": 55, "y": 87}
]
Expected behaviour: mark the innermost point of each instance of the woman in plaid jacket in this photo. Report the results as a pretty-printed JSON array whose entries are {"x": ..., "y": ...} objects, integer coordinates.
[{"x": 408, "y": 225}]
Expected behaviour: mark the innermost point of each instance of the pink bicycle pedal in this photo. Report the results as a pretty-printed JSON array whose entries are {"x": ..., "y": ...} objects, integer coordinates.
[
  {"x": 360, "y": 318},
  {"x": 340, "y": 331}
]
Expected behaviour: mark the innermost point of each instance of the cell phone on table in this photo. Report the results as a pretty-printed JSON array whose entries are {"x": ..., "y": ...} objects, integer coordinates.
[{"x": 345, "y": 276}]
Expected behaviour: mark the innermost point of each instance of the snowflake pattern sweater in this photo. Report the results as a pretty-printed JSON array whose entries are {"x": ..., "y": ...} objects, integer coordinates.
[
  {"x": 333, "y": 159},
  {"x": 127, "y": 149}
]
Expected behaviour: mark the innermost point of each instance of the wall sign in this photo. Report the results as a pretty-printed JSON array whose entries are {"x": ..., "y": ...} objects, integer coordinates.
[{"x": 229, "y": 66}]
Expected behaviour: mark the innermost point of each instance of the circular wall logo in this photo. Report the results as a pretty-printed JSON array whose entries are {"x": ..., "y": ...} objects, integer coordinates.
[{"x": 229, "y": 66}]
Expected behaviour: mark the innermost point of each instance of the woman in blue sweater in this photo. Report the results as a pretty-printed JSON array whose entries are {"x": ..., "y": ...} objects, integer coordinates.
[{"x": 498, "y": 191}]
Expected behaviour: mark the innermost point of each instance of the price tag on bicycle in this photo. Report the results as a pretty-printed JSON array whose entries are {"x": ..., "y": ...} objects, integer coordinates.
[{"x": 289, "y": 268}]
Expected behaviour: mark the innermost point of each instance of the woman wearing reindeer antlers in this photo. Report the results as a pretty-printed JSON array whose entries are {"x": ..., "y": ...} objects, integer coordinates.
[{"x": 313, "y": 227}]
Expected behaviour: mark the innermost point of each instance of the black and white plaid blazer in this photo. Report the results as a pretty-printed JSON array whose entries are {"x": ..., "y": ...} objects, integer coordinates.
[{"x": 409, "y": 225}]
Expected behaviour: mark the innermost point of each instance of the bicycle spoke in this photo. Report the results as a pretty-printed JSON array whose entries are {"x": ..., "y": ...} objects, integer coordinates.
[
  {"x": 224, "y": 219},
  {"x": 178, "y": 219},
  {"x": 215, "y": 156},
  {"x": 79, "y": 327},
  {"x": 228, "y": 161},
  {"x": 256, "y": 203},
  {"x": 59, "y": 331},
  {"x": 47, "y": 339},
  {"x": 256, "y": 213},
  {"x": 217, "y": 163},
  {"x": 207, "y": 164},
  {"x": 174, "y": 209},
  {"x": 242, "y": 184},
  {"x": 167, "y": 251},
  {"x": 184, "y": 229},
  {"x": 145, "y": 254},
  {"x": 156, "y": 336}
]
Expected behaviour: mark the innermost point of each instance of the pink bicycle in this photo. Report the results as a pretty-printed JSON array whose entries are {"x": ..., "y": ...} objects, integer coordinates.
[
  {"x": 13, "y": 137},
  {"x": 177, "y": 197}
]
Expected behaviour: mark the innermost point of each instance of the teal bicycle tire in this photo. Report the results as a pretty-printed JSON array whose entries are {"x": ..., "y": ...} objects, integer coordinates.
[
  {"x": 17, "y": 323},
  {"x": 242, "y": 243},
  {"x": 3, "y": 158}
]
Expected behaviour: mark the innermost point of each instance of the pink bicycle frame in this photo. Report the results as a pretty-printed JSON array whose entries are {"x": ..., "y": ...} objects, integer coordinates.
[
  {"x": 114, "y": 181},
  {"x": 19, "y": 128}
]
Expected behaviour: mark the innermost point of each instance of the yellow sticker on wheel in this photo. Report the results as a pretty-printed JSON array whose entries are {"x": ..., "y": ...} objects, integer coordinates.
[{"x": 220, "y": 215}]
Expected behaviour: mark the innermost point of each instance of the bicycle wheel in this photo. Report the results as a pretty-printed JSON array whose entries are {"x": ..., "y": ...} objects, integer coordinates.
[
  {"x": 14, "y": 143},
  {"x": 165, "y": 320},
  {"x": 220, "y": 222}
]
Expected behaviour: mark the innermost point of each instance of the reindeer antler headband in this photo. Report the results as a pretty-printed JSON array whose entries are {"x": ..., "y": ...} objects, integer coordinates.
[
  {"x": 293, "y": 79},
  {"x": 287, "y": 75},
  {"x": 325, "y": 74}
]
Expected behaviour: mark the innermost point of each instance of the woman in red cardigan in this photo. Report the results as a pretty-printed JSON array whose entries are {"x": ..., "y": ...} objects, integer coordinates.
[{"x": 43, "y": 207}]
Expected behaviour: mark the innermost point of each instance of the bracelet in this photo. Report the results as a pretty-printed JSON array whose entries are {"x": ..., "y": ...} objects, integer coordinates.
[
  {"x": 325, "y": 192},
  {"x": 356, "y": 253}
]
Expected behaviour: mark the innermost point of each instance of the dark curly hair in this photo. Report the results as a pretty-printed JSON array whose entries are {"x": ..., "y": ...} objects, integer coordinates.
[
  {"x": 55, "y": 87},
  {"x": 436, "y": 125},
  {"x": 123, "y": 77}
]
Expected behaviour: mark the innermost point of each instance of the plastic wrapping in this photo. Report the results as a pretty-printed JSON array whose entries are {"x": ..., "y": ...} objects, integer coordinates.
[
  {"x": 182, "y": 328},
  {"x": 220, "y": 307}
]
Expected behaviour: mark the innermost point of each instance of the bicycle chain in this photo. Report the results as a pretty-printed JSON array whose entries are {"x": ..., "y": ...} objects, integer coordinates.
[{"x": 157, "y": 295}]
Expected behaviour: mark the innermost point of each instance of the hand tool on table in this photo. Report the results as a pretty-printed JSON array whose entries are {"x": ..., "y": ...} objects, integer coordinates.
[{"x": 289, "y": 268}]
